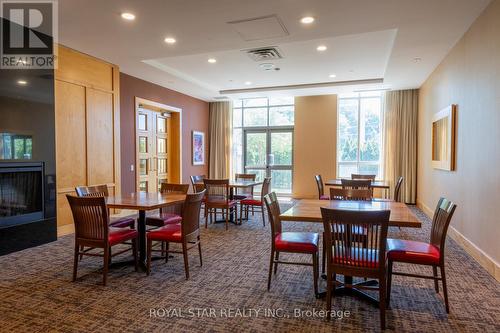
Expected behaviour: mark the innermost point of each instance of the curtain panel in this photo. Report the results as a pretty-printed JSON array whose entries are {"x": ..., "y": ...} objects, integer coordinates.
[
  {"x": 400, "y": 141},
  {"x": 220, "y": 134}
]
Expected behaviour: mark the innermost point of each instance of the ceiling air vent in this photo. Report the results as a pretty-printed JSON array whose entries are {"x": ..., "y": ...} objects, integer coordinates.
[
  {"x": 221, "y": 98},
  {"x": 264, "y": 53}
]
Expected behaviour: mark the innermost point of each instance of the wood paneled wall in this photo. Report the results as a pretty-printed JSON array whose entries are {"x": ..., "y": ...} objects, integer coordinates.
[{"x": 87, "y": 95}]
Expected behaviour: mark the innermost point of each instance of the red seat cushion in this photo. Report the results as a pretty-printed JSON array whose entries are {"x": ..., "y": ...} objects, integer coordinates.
[
  {"x": 303, "y": 242},
  {"x": 168, "y": 233},
  {"x": 163, "y": 219},
  {"x": 324, "y": 197},
  {"x": 358, "y": 257},
  {"x": 412, "y": 252},
  {"x": 125, "y": 222},
  {"x": 251, "y": 202},
  {"x": 117, "y": 236}
]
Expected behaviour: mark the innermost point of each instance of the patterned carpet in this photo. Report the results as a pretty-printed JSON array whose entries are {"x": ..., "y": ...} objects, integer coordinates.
[{"x": 37, "y": 295}]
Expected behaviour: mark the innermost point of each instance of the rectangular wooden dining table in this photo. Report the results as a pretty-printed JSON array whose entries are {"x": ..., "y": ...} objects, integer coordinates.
[
  {"x": 142, "y": 202},
  {"x": 309, "y": 210}
]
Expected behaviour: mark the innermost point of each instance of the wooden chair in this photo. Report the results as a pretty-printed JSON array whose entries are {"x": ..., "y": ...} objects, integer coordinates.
[
  {"x": 197, "y": 183},
  {"x": 427, "y": 254},
  {"x": 350, "y": 194},
  {"x": 102, "y": 190},
  {"x": 349, "y": 257},
  {"x": 168, "y": 215},
  {"x": 356, "y": 184},
  {"x": 186, "y": 233},
  {"x": 244, "y": 193},
  {"x": 218, "y": 197},
  {"x": 250, "y": 202},
  {"x": 92, "y": 230},
  {"x": 397, "y": 189},
  {"x": 358, "y": 176},
  {"x": 321, "y": 188},
  {"x": 289, "y": 242}
]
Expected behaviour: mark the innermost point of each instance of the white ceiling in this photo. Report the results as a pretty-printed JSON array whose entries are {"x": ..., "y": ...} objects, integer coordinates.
[{"x": 366, "y": 39}]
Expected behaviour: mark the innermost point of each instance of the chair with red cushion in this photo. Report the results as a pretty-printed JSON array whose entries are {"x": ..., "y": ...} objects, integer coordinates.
[
  {"x": 244, "y": 193},
  {"x": 321, "y": 188},
  {"x": 92, "y": 230},
  {"x": 251, "y": 202},
  {"x": 347, "y": 254},
  {"x": 171, "y": 214},
  {"x": 186, "y": 233},
  {"x": 289, "y": 242},
  {"x": 218, "y": 197},
  {"x": 421, "y": 253}
]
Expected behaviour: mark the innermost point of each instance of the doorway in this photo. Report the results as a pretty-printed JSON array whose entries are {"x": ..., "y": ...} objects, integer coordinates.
[
  {"x": 158, "y": 145},
  {"x": 269, "y": 153}
]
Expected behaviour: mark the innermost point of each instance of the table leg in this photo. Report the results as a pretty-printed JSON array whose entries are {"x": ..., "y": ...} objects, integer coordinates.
[
  {"x": 141, "y": 228},
  {"x": 342, "y": 290}
]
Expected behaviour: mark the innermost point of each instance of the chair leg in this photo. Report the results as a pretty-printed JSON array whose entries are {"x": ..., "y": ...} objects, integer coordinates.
[
  {"x": 75, "y": 261},
  {"x": 435, "y": 273},
  {"x": 382, "y": 298},
  {"x": 167, "y": 246},
  {"x": 186, "y": 263},
  {"x": 82, "y": 248},
  {"x": 323, "y": 255},
  {"x": 148, "y": 262},
  {"x": 271, "y": 261},
  {"x": 445, "y": 289},
  {"x": 106, "y": 264},
  {"x": 134, "y": 250},
  {"x": 276, "y": 264},
  {"x": 329, "y": 289},
  {"x": 206, "y": 217},
  {"x": 227, "y": 218},
  {"x": 315, "y": 272},
  {"x": 241, "y": 213},
  {"x": 389, "y": 282},
  {"x": 162, "y": 249},
  {"x": 199, "y": 250},
  {"x": 263, "y": 216}
]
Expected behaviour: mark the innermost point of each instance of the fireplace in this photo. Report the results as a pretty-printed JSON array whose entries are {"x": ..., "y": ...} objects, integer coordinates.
[{"x": 21, "y": 193}]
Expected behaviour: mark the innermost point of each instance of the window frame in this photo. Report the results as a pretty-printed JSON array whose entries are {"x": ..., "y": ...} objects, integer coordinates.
[{"x": 358, "y": 163}]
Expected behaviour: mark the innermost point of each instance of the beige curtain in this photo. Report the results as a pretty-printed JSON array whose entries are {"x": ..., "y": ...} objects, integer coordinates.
[
  {"x": 220, "y": 133},
  {"x": 400, "y": 141}
]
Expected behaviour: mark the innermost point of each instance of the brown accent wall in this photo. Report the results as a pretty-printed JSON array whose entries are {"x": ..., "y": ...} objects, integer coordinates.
[
  {"x": 194, "y": 117},
  {"x": 469, "y": 76}
]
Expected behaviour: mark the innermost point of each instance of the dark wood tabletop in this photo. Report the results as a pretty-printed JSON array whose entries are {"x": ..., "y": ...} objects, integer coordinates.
[
  {"x": 308, "y": 210},
  {"x": 144, "y": 201},
  {"x": 375, "y": 184}
]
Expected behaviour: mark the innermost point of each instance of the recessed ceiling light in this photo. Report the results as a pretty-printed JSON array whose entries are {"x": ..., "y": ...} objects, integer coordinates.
[
  {"x": 212, "y": 60},
  {"x": 307, "y": 20},
  {"x": 321, "y": 48},
  {"x": 22, "y": 82},
  {"x": 248, "y": 83},
  {"x": 332, "y": 76},
  {"x": 170, "y": 40},
  {"x": 128, "y": 16},
  {"x": 417, "y": 59}
]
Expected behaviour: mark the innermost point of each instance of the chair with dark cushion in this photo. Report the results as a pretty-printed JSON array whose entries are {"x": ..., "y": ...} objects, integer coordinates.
[
  {"x": 421, "y": 253},
  {"x": 348, "y": 256},
  {"x": 289, "y": 242},
  {"x": 168, "y": 215},
  {"x": 92, "y": 230},
  {"x": 102, "y": 190},
  {"x": 186, "y": 233},
  {"x": 218, "y": 197},
  {"x": 321, "y": 188},
  {"x": 250, "y": 202}
]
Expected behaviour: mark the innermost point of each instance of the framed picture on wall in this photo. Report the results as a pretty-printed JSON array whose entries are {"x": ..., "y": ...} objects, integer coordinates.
[{"x": 198, "y": 148}]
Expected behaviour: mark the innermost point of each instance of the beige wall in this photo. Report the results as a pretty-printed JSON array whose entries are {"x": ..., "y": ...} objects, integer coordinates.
[
  {"x": 315, "y": 142},
  {"x": 470, "y": 77}
]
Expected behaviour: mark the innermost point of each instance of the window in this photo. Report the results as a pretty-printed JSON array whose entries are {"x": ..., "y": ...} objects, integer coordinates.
[
  {"x": 359, "y": 134},
  {"x": 263, "y": 139}
]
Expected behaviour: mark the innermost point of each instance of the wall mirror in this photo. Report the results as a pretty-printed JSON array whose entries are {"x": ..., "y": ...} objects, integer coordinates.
[{"x": 443, "y": 139}]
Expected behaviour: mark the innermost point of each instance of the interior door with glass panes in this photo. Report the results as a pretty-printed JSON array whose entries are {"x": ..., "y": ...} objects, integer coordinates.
[{"x": 152, "y": 150}]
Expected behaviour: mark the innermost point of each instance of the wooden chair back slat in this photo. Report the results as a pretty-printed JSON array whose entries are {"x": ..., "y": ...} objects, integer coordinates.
[
  {"x": 346, "y": 248},
  {"x": 197, "y": 182},
  {"x": 397, "y": 188},
  {"x": 358, "y": 176},
  {"x": 356, "y": 184},
  {"x": 274, "y": 212},
  {"x": 82, "y": 191},
  {"x": 174, "y": 188},
  {"x": 266, "y": 188},
  {"x": 319, "y": 184},
  {"x": 90, "y": 216},
  {"x": 245, "y": 176},
  {"x": 191, "y": 215},
  {"x": 217, "y": 190},
  {"x": 350, "y": 194},
  {"x": 440, "y": 222}
]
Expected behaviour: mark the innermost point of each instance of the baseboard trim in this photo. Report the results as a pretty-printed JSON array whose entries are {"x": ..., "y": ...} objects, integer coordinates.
[
  {"x": 490, "y": 265},
  {"x": 66, "y": 229}
]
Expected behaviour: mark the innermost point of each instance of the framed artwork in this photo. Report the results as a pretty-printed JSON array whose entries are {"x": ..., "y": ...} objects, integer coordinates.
[
  {"x": 443, "y": 139},
  {"x": 198, "y": 148}
]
